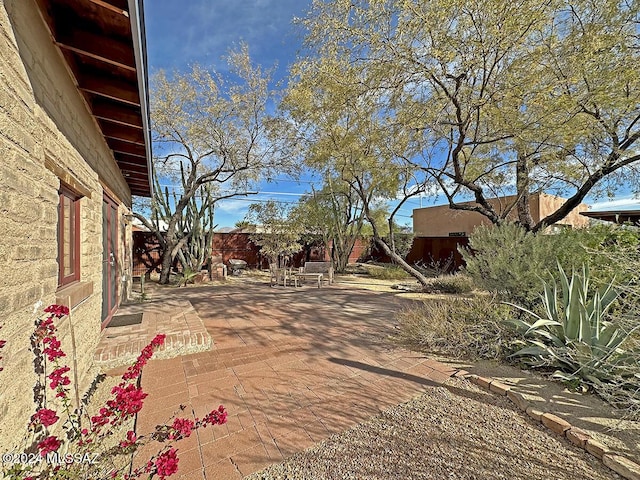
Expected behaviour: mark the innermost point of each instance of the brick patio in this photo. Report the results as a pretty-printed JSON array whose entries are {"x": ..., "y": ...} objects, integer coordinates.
[{"x": 292, "y": 367}]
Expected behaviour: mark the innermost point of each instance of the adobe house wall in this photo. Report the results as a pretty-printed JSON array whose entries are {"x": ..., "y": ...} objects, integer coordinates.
[
  {"x": 441, "y": 221},
  {"x": 46, "y": 135}
]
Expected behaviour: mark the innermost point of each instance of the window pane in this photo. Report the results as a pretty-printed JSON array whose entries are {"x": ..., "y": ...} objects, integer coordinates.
[
  {"x": 67, "y": 235},
  {"x": 68, "y": 248}
]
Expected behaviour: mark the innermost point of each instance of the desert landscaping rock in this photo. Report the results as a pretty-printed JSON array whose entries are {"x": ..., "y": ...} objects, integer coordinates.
[
  {"x": 499, "y": 388},
  {"x": 555, "y": 423},
  {"x": 622, "y": 465},
  {"x": 482, "y": 382},
  {"x": 535, "y": 413},
  {"x": 457, "y": 432},
  {"x": 578, "y": 437},
  {"x": 518, "y": 399},
  {"x": 596, "y": 448}
]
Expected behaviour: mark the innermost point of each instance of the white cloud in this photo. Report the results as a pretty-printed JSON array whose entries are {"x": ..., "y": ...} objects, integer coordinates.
[{"x": 233, "y": 207}]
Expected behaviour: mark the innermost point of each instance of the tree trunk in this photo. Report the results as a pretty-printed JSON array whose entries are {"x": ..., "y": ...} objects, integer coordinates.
[
  {"x": 341, "y": 252},
  {"x": 398, "y": 260},
  {"x": 522, "y": 191}
]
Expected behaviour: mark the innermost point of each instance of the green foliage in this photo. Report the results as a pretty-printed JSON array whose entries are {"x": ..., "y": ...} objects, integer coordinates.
[
  {"x": 277, "y": 232},
  {"x": 509, "y": 261},
  {"x": 402, "y": 242},
  {"x": 457, "y": 283},
  {"x": 574, "y": 335},
  {"x": 473, "y": 328},
  {"x": 543, "y": 95},
  {"x": 187, "y": 276},
  {"x": 387, "y": 272}
]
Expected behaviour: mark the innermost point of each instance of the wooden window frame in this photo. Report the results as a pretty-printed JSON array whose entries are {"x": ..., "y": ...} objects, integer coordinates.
[{"x": 63, "y": 233}]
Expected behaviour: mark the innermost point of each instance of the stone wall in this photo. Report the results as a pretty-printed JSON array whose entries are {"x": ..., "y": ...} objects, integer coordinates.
[{"x": 46, "y": 135}]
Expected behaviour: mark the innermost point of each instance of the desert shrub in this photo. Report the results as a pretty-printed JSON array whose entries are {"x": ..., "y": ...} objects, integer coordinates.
[
  {"x": 472, "y": 328},
  {"x": 457, "y": 283},
  {"x": 511, "y": 262},
  {"x": 387, "y": 272}
]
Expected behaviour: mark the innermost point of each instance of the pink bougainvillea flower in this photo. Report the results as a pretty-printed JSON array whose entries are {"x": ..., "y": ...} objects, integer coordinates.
[
  {"x": 57, "y": 310},
  {"x": 182, "y": 427},
  {"x": 131, "y": 440},
  {"x": 49, "y": 444},
  {"x": 167, "y": 463},
  {"x": 2, "y": 343},
  {"x": 216, "y": 417},
  {"x": 52, "y": 350},
  {"x": 46, "y": 417},
  {"x": 58, "y": 377},
  {"x": 158, "y": 340},
  {"x": 128, "y": 399}
]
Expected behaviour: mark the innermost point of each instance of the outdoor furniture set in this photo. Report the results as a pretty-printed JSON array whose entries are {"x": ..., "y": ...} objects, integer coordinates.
[{"x": 316, "y": 271}]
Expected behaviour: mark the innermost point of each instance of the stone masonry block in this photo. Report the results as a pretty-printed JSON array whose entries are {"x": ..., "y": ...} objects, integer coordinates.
[
  {"x": 499, "y": 388},
  {"x": 555, "y": 423},
  {"x": 518, "y": 399},
  {"x": 622, "y": 466},
  {"x": 535, "y": 413},
  {"x": 596, "y": 448},
  {"x": 578, "y": 437},
  {"x": 461, "y": 374}
]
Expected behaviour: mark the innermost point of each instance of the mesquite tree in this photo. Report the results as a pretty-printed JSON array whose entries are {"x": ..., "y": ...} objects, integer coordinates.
[
  {"x": 508, "y": 96},
  {"x": 214, "y": 130}
]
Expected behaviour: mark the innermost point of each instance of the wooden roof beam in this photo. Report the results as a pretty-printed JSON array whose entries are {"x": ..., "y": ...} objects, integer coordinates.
[
  {"x": 118, "y": 6},
  {"x": 116, "y": 112},
  {"x": 120, "y": 146},
  {"x": 112, "y": 88},
  {"x": 122, "y": 132},
  {"x": 104, "y": 49}
]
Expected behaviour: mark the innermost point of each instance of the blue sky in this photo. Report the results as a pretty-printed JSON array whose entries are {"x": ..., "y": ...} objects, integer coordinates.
[
  {"x": 180, "y": 33},
  {"x": 202, "y": 31}
]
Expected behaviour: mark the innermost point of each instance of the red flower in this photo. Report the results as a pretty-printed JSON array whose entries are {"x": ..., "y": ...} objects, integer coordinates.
[
  {"x": 167, "y": 463},
  {"x": 58, "y": 378},
  {"x": 49, "y": 444},
  {"x": 45, "y": 416},
  {"x": 158, "y": 340},
  {"x": 128, "y": 400},
  {"x": 131, "y": 440},
  {"x": 53, "y": 349},
  {"x": 2, "y": 343},
  {"x": 183, "y": 427},
  {"x": 135, "y": 370},
  {"x": 103, "y": 418},
  {"x": 216, "y": 417},
  {"x": 57, "y": 310}
]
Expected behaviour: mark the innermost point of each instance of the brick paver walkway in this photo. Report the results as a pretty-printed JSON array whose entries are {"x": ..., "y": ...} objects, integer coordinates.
[{"x": 292, "y": 367}]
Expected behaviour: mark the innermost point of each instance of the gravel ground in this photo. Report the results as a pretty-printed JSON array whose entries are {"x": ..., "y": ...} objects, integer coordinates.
[{"x": 456, "y": 432}]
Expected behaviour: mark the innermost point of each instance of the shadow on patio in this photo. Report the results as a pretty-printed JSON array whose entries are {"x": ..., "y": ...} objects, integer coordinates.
[{"x": 292, "y": 366}]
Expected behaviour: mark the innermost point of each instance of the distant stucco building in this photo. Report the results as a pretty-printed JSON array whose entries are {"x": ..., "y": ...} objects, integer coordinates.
[
  {"x": 440, "y": 230},
  {"x": 75, "y": 146}
]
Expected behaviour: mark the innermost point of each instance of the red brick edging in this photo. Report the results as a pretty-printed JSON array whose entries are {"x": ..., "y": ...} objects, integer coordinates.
[{"x": 619, "y": 464}]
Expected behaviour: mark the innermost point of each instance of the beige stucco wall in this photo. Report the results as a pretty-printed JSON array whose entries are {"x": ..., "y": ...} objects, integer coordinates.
[
  {"x": 46, "y": 133},
  {"x": 440, "y": 221}
]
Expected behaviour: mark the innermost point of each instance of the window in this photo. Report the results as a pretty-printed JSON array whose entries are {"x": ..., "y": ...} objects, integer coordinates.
[{"x": 68, "y": 237}]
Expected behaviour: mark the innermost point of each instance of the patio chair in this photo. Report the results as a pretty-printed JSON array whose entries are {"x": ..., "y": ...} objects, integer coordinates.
[{"x": 279, "y": 276}]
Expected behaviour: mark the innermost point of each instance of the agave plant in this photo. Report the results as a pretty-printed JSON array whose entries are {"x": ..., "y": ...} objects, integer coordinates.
[{"x": 575, "y": 337}]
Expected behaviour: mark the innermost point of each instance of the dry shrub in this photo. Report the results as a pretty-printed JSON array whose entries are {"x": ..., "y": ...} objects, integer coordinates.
[
  {"x": 456, "y": 283},
  {"x": 387, "y": 272},
  {"x": 471, "y": 328}
]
